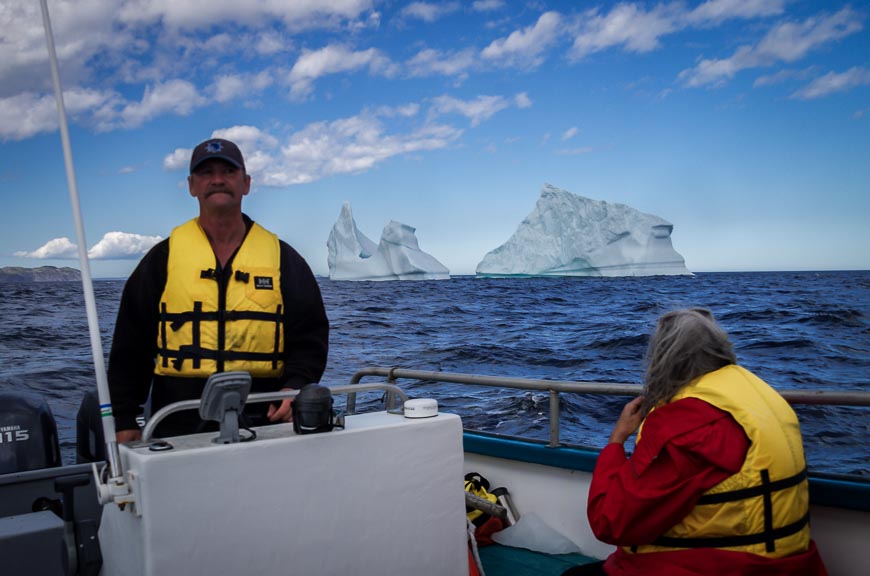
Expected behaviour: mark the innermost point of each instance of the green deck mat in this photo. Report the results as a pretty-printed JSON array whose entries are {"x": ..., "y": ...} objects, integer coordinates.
[{"x": 501, "y": 560}]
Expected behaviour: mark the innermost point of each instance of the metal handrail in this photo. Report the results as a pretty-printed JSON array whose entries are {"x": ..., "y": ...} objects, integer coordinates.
[
  {"x": 266, "y": 397},
  {"x": 556, "y": 387}
]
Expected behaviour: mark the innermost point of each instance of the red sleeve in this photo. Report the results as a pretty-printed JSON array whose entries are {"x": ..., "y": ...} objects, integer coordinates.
[{"x": 687, "y": 447}]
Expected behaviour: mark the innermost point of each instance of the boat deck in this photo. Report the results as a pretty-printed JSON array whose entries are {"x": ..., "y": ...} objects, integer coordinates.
[{"x": 500, "y": 560}]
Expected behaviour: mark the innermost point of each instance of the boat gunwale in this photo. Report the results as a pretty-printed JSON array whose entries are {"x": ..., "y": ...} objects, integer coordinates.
[{"x": 835, "y": 490}]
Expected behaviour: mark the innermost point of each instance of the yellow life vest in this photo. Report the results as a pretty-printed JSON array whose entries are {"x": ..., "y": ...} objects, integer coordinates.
[
  {"x": 204, "y": 329},
  {"x": 764, "y": 507}
]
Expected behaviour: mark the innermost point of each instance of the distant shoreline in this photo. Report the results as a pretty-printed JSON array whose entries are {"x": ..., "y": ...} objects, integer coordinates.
[{"x": 18, "y": 274}]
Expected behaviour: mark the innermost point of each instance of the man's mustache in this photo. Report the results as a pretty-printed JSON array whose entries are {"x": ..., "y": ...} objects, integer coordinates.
[{"x": 221, "y": 190}]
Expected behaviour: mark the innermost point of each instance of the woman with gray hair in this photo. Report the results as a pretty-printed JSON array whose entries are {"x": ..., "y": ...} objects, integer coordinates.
[{"x": 717, "y": 483}]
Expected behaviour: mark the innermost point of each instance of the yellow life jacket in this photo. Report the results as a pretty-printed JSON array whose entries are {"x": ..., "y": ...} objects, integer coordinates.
[
  {"x": 764, "y": 507},
  {"x": 204, "y": 329}
]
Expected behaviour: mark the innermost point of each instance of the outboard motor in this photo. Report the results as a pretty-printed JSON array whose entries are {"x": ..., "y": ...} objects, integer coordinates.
[
  {"x": 90, "y": 439},
  {"x": 28, "y": 434}
]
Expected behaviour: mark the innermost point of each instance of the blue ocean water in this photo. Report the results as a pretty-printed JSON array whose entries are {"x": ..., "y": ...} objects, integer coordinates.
[{"x": 805, "y": 330}]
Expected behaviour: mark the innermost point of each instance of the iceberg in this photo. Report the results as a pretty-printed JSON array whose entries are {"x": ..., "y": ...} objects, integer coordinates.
[
  {"x": 571, "y": 235},
  {"x": 353, "y": 256}
]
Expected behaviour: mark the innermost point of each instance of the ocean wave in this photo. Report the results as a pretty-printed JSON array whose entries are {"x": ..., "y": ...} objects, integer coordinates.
[{"x": 796, "y": 330}]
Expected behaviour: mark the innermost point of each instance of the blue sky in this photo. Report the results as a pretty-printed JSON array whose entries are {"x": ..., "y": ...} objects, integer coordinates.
[{"x": 744, "y": 123}]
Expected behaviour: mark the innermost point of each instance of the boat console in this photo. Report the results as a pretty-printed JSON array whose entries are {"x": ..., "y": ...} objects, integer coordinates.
[{"x": 381, "y": 496}]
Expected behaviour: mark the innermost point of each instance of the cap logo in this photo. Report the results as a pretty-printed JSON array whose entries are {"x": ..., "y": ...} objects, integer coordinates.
[{"x": 213, "y": 147}]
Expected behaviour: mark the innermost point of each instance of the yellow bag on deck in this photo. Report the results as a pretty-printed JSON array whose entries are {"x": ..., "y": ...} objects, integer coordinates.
[
  {"x": 479, "y": 486},
  {"x": 486, "y": 525}
]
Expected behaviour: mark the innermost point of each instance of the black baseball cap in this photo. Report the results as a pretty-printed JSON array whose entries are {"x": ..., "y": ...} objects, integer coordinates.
[{"x": 217, "y": 148}]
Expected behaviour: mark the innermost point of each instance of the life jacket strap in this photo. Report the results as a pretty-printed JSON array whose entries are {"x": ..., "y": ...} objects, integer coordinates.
[
  {"x": 731, "y": 541},
  {"x": 768, "y": 536},
  {"x": 754, "y": 491},
  {"x": 198, "y": 354}
]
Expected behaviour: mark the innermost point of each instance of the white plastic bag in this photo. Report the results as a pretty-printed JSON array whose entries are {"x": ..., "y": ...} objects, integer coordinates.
[{"x": 532, "y": 533}]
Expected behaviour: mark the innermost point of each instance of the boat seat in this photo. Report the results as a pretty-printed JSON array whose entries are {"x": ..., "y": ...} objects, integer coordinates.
[
  {"x": 32, "y": 543},
  {"x": 498, "y": 560}
]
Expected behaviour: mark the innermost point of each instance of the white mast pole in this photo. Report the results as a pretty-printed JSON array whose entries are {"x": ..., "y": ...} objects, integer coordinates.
[{"x": 88, "y": 287}]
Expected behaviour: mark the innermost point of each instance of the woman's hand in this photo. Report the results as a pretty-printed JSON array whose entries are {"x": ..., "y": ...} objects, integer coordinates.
[{"x": 628, "y": 422}]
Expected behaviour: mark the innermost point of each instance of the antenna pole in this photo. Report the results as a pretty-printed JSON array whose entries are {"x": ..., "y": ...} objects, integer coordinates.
[{"x": 90, "y": 302}]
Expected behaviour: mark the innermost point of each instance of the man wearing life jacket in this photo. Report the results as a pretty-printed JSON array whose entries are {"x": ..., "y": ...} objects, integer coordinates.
[
  {"x": 717, "y": 483},
  {"x": 220, "y": 294}
]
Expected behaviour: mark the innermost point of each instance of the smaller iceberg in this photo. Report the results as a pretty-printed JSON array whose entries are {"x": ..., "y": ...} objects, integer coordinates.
[{"x": 353, "y": 256}]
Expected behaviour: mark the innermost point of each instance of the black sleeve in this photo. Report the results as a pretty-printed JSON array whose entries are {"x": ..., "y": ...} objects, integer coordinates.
[
  {"x": 134, "y": 344},
  {"x": 306, "y": 328}
]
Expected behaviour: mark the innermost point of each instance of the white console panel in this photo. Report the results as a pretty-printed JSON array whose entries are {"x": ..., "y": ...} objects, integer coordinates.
[{"x": 382, "y": 497}]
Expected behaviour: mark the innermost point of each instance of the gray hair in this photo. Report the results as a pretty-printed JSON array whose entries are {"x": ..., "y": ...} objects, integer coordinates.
[{"x": 686, "y": 345}]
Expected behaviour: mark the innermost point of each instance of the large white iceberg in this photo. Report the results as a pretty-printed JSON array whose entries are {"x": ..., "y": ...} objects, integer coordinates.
[
  {"x": 571, "y": 235},
  {"x": 353, "y": 256}
]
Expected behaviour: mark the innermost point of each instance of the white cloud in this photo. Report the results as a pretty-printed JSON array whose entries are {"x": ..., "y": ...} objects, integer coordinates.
[
  {"x": 179, "y": 159},
  {"x": 429, "y": 11},
  {"x": 23, "y": 54},
  {"x": 403, "y": 110},
  {"x": 27, "y": 114},
  {"x": 246, "y": 136},
  {"x": 60, "y": 248},
  {"x": 628, "y": 25},
  {"x": 122, "y": 246},
  {"x": 786, "y": 42},
  {"x": 790, "y": 41},
  {"x": 100, "y": 42},
  {"x": 717, "y": 11},
  {"x": 23, "y": 115},
  {"x": 478, "y": 110},
  {"x": 271, "y": 43},
  {"x": 522, "y": 100},
  {"x": 332, "y": 59},
  {"x": 570, "y": 133},
  {"x": 638, "y": 29},
  {"x": 782, "y": 76},
  {"x": 217, "y": 44},
  {"x": 349, "y": 145},
  {"x": 178, "y": 97},
  {"x": 428, "y": 62},
  {"x": 240, "y": 86},
  {"x": 525, "y": 47},
  {"x": 486, "y": 5},
  {"x": 322, "y": 149},
  {"x": 833, "y": 82},
  {"x": 112, "y": 246},
  {"x": 204, "y": 13}
]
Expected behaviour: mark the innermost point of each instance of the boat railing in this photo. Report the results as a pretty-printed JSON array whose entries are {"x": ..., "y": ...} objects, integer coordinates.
[
  {"x": 557, "y": 387},
  {"x": 390, "y": 389}
]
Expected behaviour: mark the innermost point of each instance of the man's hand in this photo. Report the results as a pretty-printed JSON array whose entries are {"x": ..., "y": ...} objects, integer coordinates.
[
  {"x": 282, "y": 413},
  {"x": 124, "y": 436},
  {"x": 628, "y": 422}
]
